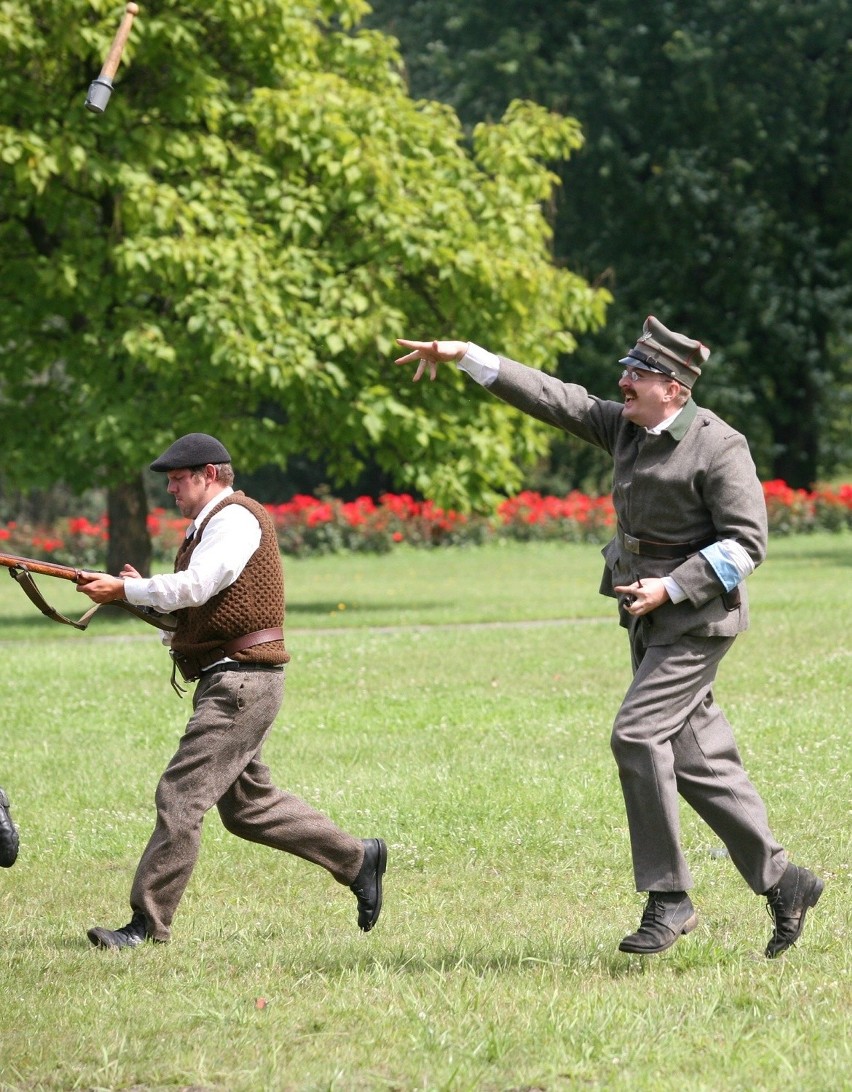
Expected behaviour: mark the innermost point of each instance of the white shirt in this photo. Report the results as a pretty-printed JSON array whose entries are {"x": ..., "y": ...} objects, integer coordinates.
[
  {"x": 229, "y": 540},
  {"x": 728, "y": 558}
]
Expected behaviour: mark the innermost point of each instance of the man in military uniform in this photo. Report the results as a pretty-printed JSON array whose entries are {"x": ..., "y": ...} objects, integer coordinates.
[
  {"x": 227, "y": 594},
  {"x": 691, "y": 528}
]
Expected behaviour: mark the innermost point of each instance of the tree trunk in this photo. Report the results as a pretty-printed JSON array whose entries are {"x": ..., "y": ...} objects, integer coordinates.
[
  {"x": 796, "y": 462},
  {"x": 794, "y": 419},
  {"x": 129, "y": 541}
]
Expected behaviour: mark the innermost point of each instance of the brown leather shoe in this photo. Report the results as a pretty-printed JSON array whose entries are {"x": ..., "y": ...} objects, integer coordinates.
[
  {"x": 667, "y": 916},
  {"x": 367, "y": 885},
  {"x": 788, "y": 902},
  {"x": 8, "y": 834},
  {"x": 129, "y": 937}
]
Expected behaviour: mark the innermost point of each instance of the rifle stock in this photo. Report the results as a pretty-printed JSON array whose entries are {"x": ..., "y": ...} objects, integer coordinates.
[
  {"x": 21, "y": 569},
  {"x": 41, "y": 568}
]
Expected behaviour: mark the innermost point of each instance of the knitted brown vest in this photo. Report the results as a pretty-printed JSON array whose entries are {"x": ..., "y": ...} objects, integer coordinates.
[{"x": 253, "y": 602}]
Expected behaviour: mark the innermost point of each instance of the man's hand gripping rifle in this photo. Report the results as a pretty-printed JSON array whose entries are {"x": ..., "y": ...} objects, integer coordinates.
[{"x": 22, "y": 569}]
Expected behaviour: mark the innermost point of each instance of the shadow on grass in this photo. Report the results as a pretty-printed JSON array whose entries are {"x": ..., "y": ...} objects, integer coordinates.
[
  {"x": 614, "y": 965},
  {"x": 109, "y": 619},
  {"x": 320, "y": 608}
]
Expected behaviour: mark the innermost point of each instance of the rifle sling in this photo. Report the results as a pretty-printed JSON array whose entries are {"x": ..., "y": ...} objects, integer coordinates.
[
  {"x": 25, "y": 580},
  {"x": 147, "y": 614}
]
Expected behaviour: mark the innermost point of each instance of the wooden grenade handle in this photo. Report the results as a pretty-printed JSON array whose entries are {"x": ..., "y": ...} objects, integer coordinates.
[{"x": 118, "y": 43}]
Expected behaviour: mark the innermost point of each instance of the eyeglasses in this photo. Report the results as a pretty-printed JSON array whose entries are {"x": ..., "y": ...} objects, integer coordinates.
[{"x": 633, "y": 375}]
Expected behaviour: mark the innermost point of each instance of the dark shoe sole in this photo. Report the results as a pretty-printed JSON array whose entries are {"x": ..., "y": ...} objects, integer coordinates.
[
  {"x": 811, "y": 899},
  {"x": 635, "y": 949},
  {"x": 381, "y": 866}
]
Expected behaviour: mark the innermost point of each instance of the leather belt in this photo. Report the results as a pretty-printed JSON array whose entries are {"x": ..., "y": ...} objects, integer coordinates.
[
  {"x": 248, "y": 640},
  {"x": 234, "y": 666},
  {"x": 663, "y": 551},
  {"x": 259, "y": 637}
]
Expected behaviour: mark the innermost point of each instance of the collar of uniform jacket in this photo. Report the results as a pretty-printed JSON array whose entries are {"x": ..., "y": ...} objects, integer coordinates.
[{"x": 678, "y": 427}]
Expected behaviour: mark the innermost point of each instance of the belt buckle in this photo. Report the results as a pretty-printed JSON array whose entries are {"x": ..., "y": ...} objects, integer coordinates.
[{"x": 632, "y": 544}]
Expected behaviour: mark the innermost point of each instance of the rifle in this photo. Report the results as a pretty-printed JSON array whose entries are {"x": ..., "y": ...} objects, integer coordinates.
[{"x": 22, "y": 568}]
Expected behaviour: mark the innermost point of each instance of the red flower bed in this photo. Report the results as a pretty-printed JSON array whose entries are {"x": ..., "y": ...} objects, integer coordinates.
[
  {"x": 575, "y": 517},
  {"x": 312, "y": 525}
]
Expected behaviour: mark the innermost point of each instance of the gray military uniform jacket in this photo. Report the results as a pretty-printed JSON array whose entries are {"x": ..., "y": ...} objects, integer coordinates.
[{"x": 695, "y": 482}]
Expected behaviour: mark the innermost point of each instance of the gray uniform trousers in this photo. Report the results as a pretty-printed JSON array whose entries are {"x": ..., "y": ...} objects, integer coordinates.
[
  {"x": 218, "y": 763},
  {"x": 669, "y": 738}
]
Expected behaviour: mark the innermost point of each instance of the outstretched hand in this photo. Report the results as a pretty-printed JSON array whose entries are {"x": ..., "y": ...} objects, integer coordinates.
[{"x": 430, "y": 354}]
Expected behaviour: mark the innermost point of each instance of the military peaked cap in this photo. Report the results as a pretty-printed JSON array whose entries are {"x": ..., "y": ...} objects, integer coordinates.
[{"x": 662, "y": 350}]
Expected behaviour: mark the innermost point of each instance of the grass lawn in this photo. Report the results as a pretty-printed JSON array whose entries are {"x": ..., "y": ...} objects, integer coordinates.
[{"x": 457, "y": 703}]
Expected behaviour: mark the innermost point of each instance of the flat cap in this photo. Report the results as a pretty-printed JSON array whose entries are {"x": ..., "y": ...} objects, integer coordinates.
[
  {"x": 194, "y": 449},
  {"x": 662, "y": 350}
]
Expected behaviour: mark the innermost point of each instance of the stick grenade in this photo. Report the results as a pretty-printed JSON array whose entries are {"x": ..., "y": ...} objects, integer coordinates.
[{"x": 101, "y": 88}]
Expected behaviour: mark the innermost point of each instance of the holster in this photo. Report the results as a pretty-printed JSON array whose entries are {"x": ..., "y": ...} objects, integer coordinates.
[
  {"x": 732, "y": 598},
  {"x": 185, "y": 666}
]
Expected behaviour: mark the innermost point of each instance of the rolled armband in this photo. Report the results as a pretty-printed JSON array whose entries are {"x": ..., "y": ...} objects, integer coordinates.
[{"x": 730, "y": 562}]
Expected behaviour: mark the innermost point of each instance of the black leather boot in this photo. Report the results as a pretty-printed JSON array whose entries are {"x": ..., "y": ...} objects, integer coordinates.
[
  {"x": 8, "y": 834},
  {"x": 667, "y": 916},
  {"x": 129, "y": 937},
  {"x": 367, "y": 885},
  {"x": 788, "y": 902}
]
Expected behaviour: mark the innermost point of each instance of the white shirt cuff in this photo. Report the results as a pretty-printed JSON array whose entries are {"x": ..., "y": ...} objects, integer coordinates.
[
  {"x": 481, "y": 365},
  {"x": 676, "y": 592},
  {"x": 135, "y": 588}
]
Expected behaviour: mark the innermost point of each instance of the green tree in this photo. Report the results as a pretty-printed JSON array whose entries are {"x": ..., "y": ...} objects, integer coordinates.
[
  {"x": 712, "y": 189},
  {"x": 235, "y": 243}
]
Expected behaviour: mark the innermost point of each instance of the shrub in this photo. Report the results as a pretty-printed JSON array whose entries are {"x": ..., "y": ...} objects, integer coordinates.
[{"x": 308, "y": 525}]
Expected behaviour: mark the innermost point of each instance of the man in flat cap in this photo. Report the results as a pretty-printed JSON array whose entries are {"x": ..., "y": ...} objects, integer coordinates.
[
  {"x": 227, "y": 596},
  {"x": 691, "y": 528}
]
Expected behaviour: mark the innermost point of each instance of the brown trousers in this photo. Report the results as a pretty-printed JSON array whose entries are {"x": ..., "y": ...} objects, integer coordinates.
[
  {"x": 670, "y": 738},
  {"x": 218, "y": 763}
]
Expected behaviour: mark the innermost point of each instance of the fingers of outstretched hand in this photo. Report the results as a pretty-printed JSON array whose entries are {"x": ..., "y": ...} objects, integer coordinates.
[
  {"x": 421, "y": 367},
  {"x": 426, "y": 353}
]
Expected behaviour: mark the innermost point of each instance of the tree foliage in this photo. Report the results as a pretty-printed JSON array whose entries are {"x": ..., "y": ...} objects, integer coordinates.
[
  {"x": 235, "y": 243},
  {"x": 712, "y": 189}
]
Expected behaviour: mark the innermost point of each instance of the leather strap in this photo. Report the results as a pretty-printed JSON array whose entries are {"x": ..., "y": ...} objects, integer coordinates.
[
  {"x": 249, "y": 640},
  {"x": 664, "y": 551},
  {"x": 26, "y": 582},
  {"x": 147, "y": 614}
]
